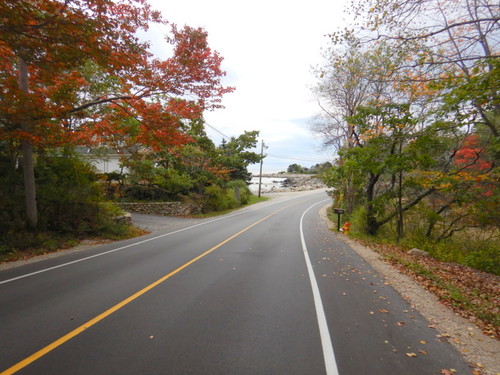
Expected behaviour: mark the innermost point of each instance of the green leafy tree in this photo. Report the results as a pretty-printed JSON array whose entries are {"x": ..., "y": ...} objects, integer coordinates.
[
  {"x": 236, "y": 156},
  {"x": 294, "y": 168}
]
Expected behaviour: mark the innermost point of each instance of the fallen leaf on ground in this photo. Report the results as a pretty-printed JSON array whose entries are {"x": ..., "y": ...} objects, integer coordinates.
[{"x": 411, "y": 355}]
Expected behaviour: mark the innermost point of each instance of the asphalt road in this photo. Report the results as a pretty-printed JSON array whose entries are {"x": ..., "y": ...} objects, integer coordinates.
[{"x": 265, "y": 290}]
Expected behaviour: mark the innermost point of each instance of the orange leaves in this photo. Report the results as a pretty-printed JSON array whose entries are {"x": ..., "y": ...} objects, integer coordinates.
[
  {"x": 184, "y": 109},
  {"x": 126, "y": 97}
]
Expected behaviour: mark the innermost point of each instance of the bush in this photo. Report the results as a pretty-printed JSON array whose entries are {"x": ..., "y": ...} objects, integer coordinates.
[
  {"x": 145, "y": 193},
  {"x": 173, "y": 181},
  {"x": 241, "y": 191},
  {"x": 218, "y": 199},
  {"x": 486, "y": 259},
  {"x": 467, "y": 248},
  {"x": 358, "y": 221},
  {"x": 68, "y": 195},
  {"x": 70, "y": 205},
  {"x": 11, "y": 196}
]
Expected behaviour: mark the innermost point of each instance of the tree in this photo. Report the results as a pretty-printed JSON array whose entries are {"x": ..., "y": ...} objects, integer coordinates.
[
  {"x": 458, "y": 40},
  {"x": 438, "y": 61},
  {"x": 45, "y": 47},
  {"x": 342, "y": 88},
  {"x": 294, "y": 168},
  {"x": 236, "y": 155}
]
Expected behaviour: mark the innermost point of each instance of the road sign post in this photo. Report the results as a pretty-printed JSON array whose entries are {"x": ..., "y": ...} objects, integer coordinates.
[{"x": 338, "y": 211}]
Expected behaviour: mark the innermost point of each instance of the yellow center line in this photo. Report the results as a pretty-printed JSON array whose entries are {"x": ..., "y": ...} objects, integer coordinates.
[{"x": 32, "y": 358}]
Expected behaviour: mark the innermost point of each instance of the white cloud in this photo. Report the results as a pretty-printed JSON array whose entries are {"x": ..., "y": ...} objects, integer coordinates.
[{"x": 268, "y": 48}]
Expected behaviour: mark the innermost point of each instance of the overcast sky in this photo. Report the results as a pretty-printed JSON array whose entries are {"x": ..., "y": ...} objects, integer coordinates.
[{"x": 268, "y": 48}]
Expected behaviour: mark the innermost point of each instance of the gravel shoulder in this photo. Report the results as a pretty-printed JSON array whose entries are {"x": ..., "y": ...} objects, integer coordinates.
[{"x": 481, "y": 351}]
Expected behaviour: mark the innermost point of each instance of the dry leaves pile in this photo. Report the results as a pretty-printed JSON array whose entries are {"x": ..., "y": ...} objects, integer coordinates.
[{"x": 473, "y": 294}]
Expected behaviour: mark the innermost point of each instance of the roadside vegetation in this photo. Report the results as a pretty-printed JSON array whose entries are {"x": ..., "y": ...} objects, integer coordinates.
[
  {"x": 463, "y": 287},
  {"x": 76, "y": 202},
  {"x": 409, "y": 102},
  {"x": 74, "y": 76}
]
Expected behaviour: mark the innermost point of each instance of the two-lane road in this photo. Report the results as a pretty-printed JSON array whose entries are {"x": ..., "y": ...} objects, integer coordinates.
[{"x": 265, "y": 290}]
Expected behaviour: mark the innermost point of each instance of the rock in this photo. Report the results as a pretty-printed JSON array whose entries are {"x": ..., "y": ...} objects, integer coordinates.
[
  {"x": 161, "y": 208},
  {"x": 126, "y": 218},
  {"x": 418, "y": 252}
]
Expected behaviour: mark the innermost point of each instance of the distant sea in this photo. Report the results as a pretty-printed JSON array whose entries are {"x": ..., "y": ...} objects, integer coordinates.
[{"x": 267, "y": 184}]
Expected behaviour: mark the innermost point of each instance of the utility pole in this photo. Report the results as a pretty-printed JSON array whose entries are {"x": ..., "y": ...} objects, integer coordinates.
[{"x": 261, "y": 162}]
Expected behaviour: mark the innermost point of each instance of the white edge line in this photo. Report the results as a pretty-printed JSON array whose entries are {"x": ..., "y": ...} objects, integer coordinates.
[
  {"x": 326, "y": 341},
  {"x": 134, "y": 244}
]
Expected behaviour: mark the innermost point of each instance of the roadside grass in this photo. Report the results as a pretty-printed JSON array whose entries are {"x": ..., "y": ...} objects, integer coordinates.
[{"x": 24, "y": 244}]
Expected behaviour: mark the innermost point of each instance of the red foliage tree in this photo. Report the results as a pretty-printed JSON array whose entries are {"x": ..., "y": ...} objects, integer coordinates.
[
  {"x": 471, "y": 155},
  {"x": 48, "y": 100},
  {"x": 472, "y": 160}
]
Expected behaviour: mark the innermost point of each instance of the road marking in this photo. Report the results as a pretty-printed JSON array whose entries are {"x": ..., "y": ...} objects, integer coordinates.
[
  {"x": 137, "y": 243},
  {"x": 32, "y": 358},
  {"x": 113, "y": 250},
  {"x": 326, "y": 341}
]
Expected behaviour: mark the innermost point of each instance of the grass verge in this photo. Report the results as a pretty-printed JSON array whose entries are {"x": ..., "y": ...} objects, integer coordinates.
[{"x": 25, "y": 245}]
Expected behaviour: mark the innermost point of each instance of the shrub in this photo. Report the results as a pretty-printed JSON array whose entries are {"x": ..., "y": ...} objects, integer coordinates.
[
  {"x": 145, "y": 193},
  {"x": 486, "y": 259},
  {"x": 358, "y": 221},
  {"x": 67, "y": 193},
  {"x": 241, "y": 191},
  {"x": 173, "y": 181},
  {"x": 218, "y": 199}
]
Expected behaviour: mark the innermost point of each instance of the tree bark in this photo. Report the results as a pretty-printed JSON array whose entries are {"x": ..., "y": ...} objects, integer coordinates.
[
  {"x": 28, "y": 165},
  {"x": 371, "y": 215},
  {"x": 400, "y": 215}
]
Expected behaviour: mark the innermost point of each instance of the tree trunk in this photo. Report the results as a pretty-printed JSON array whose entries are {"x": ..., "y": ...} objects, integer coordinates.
[
  {"x": 29, "y": 186},
  {"x": 371, "y": 219},
  {"x": 400, "y": 215},
  {"x": 28, "y": 165}
]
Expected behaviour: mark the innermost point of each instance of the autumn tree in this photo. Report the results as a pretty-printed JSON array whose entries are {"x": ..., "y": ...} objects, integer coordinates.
[
  {"x": 49, "y": 99},
  {"x": 457, "y": 45},
  {"x": 458, "y": 41},
  {"x": 439, "y": 60},
  {"x": 353, "y": 78},
  {"x": 193, "y": 168},
  {"x": 342, "y": 88}
]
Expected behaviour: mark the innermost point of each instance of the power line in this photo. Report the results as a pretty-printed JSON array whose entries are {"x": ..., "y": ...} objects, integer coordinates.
[
  {"x": 295, "y": 158},
  {"x": 271, "y": 155},
  {"x": 217, "y": 130}
]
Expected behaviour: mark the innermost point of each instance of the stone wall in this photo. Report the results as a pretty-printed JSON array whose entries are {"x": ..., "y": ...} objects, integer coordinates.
[{"x": 160, "y": 208}]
